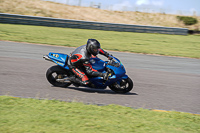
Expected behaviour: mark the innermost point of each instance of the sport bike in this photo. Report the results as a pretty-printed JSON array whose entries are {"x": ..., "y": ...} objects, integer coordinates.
[{"x": 117, "y": 80}]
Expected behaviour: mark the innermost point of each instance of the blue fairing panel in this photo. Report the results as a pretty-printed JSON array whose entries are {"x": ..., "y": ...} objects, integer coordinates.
[
  {"x": 98, "y": 64},
  {"x": 119, "y": 71},
  {"x": 58, "y": 58},
  {"x": 124, "y": 77}
]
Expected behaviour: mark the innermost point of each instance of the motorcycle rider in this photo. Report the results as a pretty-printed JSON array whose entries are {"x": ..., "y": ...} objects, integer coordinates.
[{"x": 79, "y": 60}]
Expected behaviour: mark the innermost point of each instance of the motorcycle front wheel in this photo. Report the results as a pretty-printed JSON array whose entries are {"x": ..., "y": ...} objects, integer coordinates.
[
  {"x": 55, "y": 73},
  {"x": 123, "y": 86}
]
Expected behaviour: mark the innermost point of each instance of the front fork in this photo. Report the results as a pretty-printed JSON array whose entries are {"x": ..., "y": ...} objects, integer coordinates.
[{"x": 120, "y": 84}]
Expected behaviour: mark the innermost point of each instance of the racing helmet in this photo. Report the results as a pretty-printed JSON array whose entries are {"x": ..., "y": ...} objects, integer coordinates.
[{"x": 93, "y": 46}]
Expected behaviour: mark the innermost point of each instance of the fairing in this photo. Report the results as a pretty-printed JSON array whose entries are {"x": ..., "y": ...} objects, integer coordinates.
[
  {"x": 59, "y": 58},
  {"x": 97, "y": 64}
]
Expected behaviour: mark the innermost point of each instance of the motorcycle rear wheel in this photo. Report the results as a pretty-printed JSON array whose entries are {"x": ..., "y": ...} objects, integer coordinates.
[
  {"x": 124, "y": 86},
  {"x": 57, "y": 72}
]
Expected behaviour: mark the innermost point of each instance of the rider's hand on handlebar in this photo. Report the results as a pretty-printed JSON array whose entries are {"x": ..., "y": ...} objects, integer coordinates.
[{"x": 110, "y": 58}]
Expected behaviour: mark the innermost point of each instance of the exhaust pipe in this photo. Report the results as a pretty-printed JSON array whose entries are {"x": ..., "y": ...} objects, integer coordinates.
[
  {"x": 46, "y": 57},
  {"x": 64, "y": 80}
]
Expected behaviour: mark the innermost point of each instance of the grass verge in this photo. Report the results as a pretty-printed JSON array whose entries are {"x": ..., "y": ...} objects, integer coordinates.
[
  {"x": 170, "y": 45},
  {"x": 49, "y": 116}
]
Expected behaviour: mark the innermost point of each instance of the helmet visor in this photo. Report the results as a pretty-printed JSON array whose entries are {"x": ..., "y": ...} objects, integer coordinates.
[{"x": 96, "y": 50}]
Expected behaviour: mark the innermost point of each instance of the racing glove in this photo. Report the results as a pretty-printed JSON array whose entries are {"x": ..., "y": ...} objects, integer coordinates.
[{"x": 110, "y": 58}]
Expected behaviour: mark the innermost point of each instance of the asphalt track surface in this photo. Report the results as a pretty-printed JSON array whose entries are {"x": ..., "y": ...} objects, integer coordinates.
[{"x": 160, "y": 82}]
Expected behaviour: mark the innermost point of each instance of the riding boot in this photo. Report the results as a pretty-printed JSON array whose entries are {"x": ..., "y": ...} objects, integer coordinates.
[{"x": 77, "y": 81}]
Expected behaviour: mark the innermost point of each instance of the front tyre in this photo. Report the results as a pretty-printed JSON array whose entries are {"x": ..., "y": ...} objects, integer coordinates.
[
  {"x": 56, "y": 72},
  {"x": 122, "y": 86}
]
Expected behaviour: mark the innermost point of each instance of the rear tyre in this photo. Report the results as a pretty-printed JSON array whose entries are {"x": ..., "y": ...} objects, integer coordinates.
[
  {"x": 57, "y": 72},
  {"x": 123, "y": 86}
]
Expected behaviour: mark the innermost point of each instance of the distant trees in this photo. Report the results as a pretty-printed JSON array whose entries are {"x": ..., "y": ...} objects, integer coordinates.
[{"x": 187, "y": 20}]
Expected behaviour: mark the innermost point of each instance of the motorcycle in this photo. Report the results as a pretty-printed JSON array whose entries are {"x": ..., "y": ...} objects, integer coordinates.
[{"x": 117, "y": 80}]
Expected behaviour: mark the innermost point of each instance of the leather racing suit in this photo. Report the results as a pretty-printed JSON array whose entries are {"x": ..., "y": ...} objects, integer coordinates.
[{"x": 79, "y": 60}]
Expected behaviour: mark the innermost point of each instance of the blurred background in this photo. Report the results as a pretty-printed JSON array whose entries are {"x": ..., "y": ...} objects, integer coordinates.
[
  {"x": 167, "y": 13},
  {"x": 180, "y": 7}
]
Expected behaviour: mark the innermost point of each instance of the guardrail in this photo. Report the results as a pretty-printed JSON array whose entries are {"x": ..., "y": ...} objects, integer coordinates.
[{"x": 67, "y": 23}]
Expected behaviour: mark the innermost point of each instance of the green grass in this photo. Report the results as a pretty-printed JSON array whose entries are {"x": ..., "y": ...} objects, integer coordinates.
[
  {"x": 20, "y": 115},
  {"x": 170, "y": 45}
]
